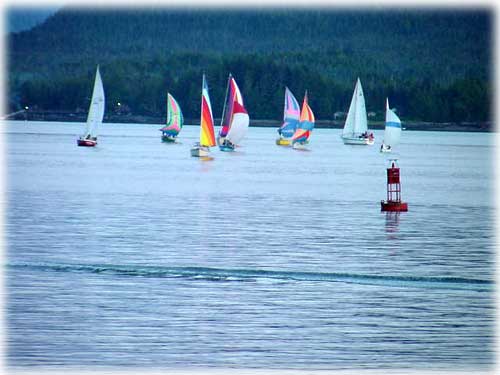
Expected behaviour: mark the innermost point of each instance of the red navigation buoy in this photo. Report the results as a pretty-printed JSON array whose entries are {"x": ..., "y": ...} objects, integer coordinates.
[{"x": 393, "y": 202}]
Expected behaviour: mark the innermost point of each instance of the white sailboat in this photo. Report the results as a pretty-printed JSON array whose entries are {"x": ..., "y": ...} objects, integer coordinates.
[
  {"x": 95, "y": 115},
  {"x": 392, "y": 132},
  {"x": 356, "y": 124}
]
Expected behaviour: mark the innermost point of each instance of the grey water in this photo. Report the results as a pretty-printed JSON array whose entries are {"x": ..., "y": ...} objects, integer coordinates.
[{"x": 134, "y": 254}]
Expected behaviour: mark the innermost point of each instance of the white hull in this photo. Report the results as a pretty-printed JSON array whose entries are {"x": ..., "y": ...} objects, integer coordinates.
[
  {"x": 200, "y": 151},
  {"x": 299, "y": 146},
  {"x": 357, "y": 141}
]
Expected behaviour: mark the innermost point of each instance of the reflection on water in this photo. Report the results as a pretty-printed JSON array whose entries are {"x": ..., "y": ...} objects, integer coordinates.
[
  {"x": 391, "y": 223},
  {"x": 205, "y": 158}
]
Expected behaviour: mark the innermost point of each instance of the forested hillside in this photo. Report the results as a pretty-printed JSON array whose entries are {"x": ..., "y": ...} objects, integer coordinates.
[
  {"x": 24, "y": 18},
  {"x": 433, "y": 65}
]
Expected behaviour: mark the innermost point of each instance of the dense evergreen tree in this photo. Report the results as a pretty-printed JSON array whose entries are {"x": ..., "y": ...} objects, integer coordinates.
[{"x": 433, "y": 65}]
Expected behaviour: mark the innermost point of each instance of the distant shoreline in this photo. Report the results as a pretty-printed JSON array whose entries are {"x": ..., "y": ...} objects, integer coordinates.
[{"x": 320, "y": 124}]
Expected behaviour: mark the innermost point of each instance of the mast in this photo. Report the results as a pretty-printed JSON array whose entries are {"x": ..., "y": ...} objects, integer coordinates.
[
  {"x": 356, "y": 89},
  {"x": 225, "y": 100},
  {"x": 169, "y": 114},
  {"x": 201, "y": 109},
  {"x": 286, "y": 102}
]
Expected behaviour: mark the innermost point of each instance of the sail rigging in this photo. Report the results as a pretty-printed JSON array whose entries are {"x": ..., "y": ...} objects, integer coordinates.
[
  {"x": 96, "y": 109},
  {"x": 356, "y": 122}
]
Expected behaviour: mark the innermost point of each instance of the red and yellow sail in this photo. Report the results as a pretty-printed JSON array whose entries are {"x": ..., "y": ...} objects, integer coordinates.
[{"x": 207, "y": 135}]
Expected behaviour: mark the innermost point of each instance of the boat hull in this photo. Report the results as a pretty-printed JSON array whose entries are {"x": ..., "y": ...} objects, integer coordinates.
[
  {"x": 168, "y": 139},
  {"x": 300, "y": 146},
  {"x": 283, "y": 142},
  {"x": 86, "y": 143},
  {"x": 357, "y": 141},
  {"x": 226, "y": 148},
  {"x": 392, "y": 206},
  {"x": 200, "y": 152}
]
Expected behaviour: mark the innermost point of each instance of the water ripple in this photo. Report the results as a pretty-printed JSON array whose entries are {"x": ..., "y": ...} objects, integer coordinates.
[{"x": 218, "y": 274}]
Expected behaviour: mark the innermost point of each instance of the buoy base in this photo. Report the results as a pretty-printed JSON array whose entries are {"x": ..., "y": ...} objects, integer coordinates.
[{"x": 393, "y": 206}]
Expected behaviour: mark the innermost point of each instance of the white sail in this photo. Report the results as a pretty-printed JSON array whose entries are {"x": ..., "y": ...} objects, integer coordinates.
[
  {"x": 96, "y": 110},
  {"x": 392, "y": 132},
  {"x": 240, "y": 120},
  {"x": 356, "y": 121},
  {"x": 239, "y": 127}
]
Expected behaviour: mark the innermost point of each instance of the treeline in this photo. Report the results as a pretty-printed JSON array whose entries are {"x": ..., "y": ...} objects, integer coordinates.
[
  {"x": 143, "y": 86},
  {"x": 433, "y": 65}
]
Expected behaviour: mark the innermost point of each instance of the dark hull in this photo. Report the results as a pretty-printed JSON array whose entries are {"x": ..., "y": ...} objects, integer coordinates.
[
  {"x": 167, "y": 139},
  {"x": 86, "y": 143},
  {"x": 226, "y": 148}
]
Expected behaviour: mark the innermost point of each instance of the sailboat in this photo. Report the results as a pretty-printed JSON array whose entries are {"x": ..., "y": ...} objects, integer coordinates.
[
  {"x": 235, "y": 120},
  {"x": 392, "y": 132},
  {"x": 306, "y": 124},
  {"x": 95, "y": 115},
  {"x": 207, "y": 136},
  {"x": 291, "y": 114},
  {"x": 356, "y": 124},
  {"x": 174, "y": 120}
]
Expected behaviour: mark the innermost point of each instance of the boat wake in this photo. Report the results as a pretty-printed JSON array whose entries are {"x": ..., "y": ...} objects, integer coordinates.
[{"x": 219, "y": 274}]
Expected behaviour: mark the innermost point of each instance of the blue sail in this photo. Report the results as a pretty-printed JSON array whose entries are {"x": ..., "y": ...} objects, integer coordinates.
[
  {"x": 288, "y": 128},
  {"x": 291, "y": 115}
]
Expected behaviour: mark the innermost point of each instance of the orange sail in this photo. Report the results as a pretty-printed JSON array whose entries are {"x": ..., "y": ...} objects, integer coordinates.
[{"x": 306, "y": 123}]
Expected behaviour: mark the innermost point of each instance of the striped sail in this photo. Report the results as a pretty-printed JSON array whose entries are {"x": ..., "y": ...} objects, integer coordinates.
[
  {"x": 392, "y": 132},
  {"x": 96, "y": 110},
  {"x": 174, "y": 117},
  {"x": 239, "y": 120},
  {"x": 306, "y": 123},
  {"x": 356, "y": 122},
  {"x": 291, "y": 114},
  {"x": 207, "y": 136}
]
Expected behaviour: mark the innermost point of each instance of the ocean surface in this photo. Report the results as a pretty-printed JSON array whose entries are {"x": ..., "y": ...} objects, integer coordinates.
[{"x": 134, "y": 254}]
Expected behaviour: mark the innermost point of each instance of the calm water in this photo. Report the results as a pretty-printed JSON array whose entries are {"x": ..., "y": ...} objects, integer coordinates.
[{"x": 136, "y": 254}]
